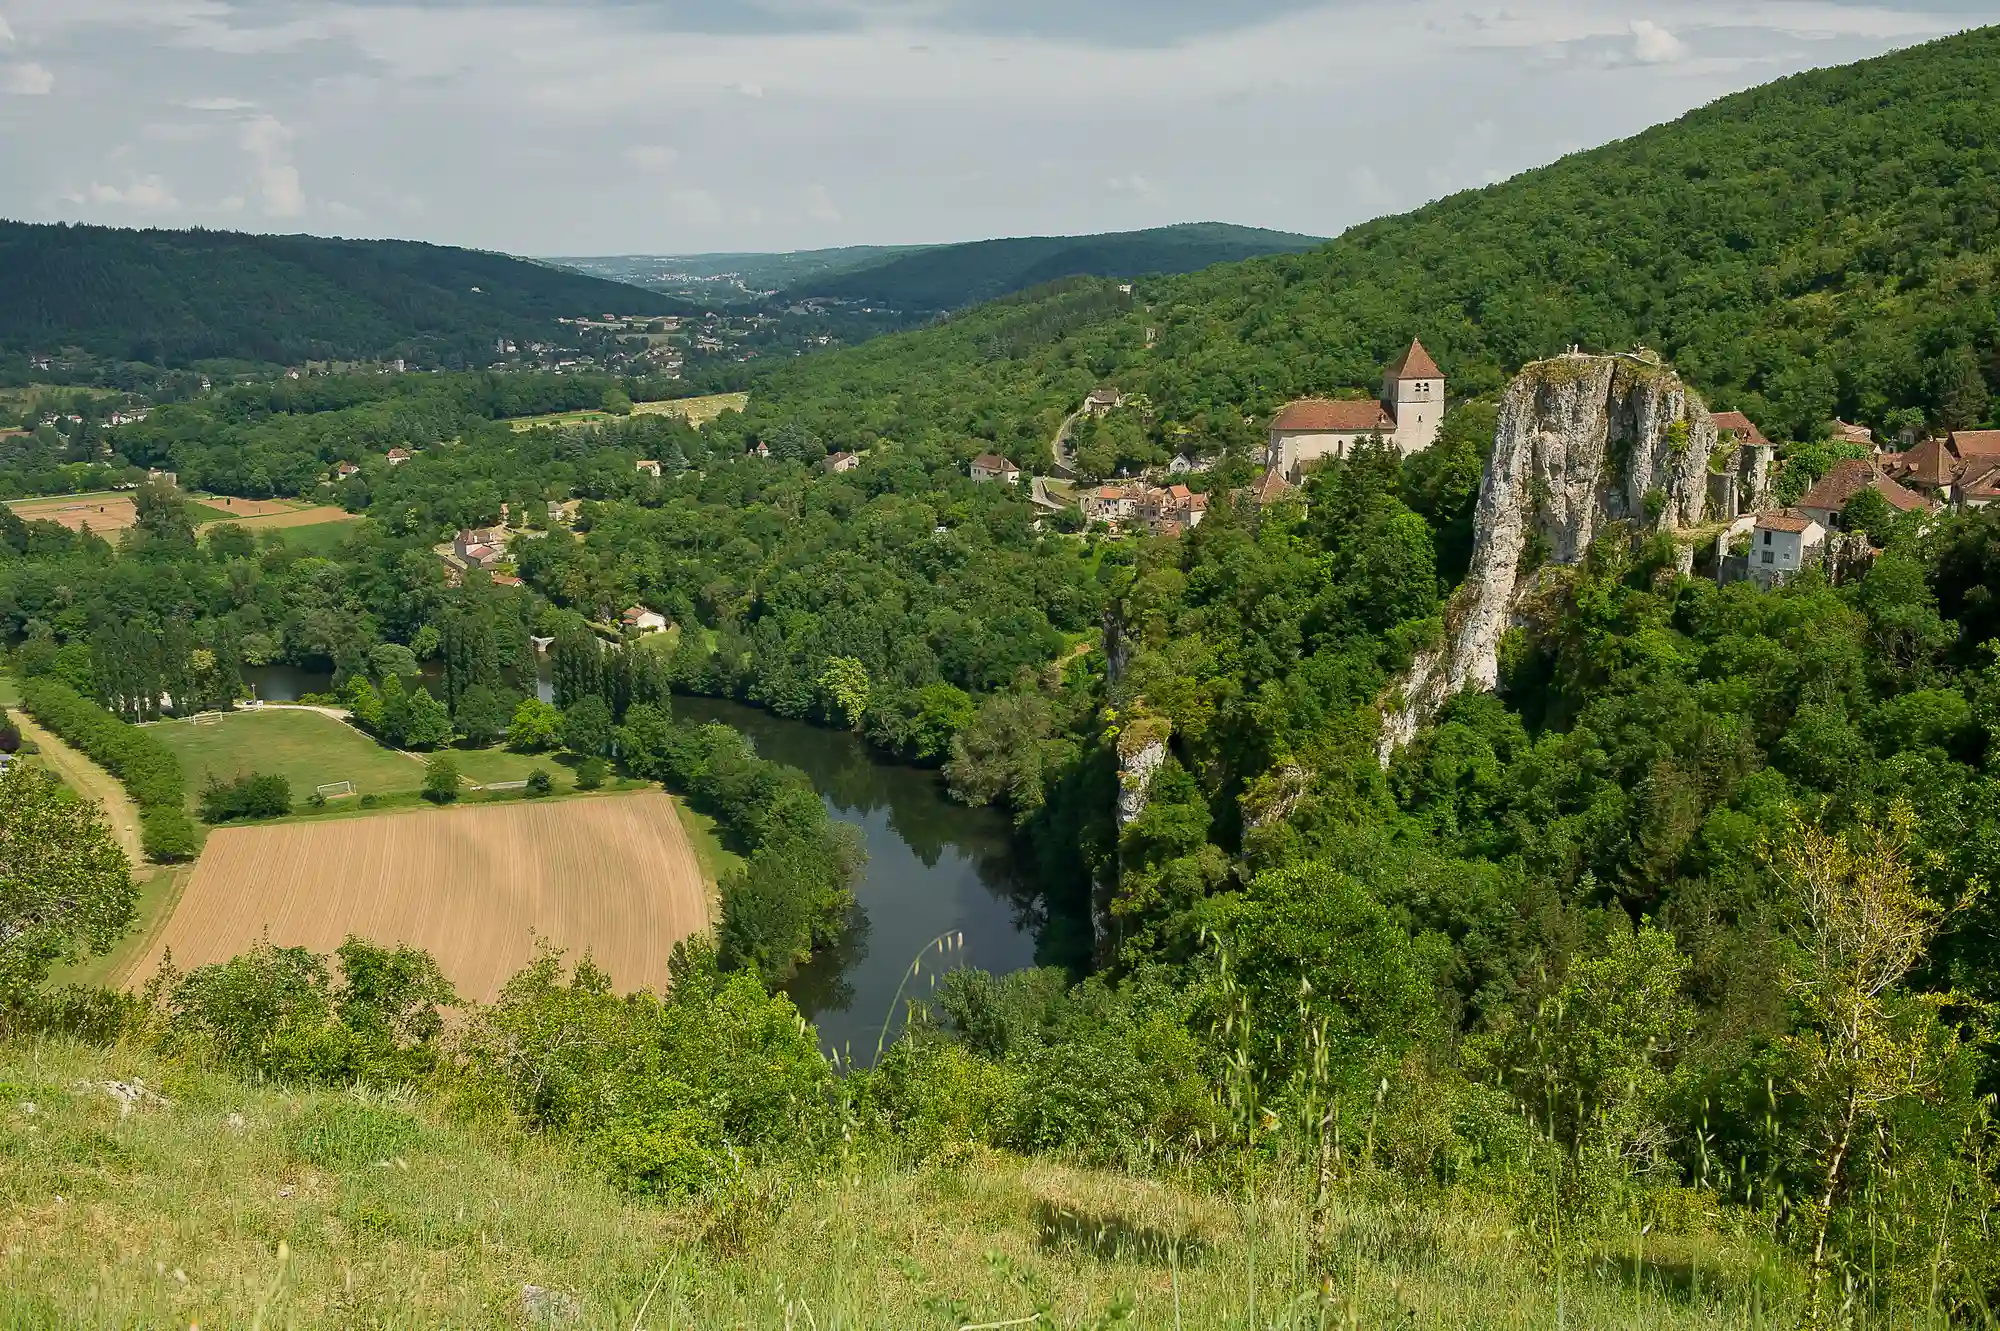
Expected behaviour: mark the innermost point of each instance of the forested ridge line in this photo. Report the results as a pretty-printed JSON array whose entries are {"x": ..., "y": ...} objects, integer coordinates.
[{"x": 176, "y": 297}]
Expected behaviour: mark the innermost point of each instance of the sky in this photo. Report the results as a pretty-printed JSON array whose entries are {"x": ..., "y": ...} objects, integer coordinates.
[{"x": 580, "y": 127}]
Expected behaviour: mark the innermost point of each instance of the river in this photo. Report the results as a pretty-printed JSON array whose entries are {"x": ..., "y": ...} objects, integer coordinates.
[{"x": 935, "y": 868}]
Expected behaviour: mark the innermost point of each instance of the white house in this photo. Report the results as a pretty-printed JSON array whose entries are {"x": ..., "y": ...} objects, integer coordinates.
[
  {"x": 841, "y": 462},
  {"x": 1781, "y": 543},
  {"x": 1103, "y": 401},
  {"x": 648, "y": 467},
  {"x": 993, "y": 467},
  {"x": 644, "y": 621},
  {"x": 398, "y": 456},
  {"x": 1408, "y": 414}
]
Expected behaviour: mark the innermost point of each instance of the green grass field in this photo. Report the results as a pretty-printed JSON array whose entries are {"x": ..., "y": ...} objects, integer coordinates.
[
  {"x": 307, "y": 748},
  {"x": 322, "y": 538}
]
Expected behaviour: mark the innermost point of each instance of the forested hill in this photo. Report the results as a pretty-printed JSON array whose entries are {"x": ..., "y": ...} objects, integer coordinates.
[
  {"x": 1822, "y": 245},
  {"x": 174, "y": 297},
  {"x": 952, "y": 277}
]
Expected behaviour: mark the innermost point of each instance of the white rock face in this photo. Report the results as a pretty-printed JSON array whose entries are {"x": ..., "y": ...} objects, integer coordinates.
[
  {"x": 1135, "y": 779},
  {"x": 1583, "y": 441}
]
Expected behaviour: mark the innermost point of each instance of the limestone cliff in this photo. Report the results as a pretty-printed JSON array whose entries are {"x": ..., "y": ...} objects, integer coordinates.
[{"x": 1583, "y": 442}]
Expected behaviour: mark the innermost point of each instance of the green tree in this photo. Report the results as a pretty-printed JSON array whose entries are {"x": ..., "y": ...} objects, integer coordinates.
[
  {"x": 441, "y": 779},
  {"x": 65, "y": 886},
  {"x": 426, "y": 723},
  {"x": 1959, "y": 388},
  {"x": 483, "y": 715},
  {"x": 1865, "y": 1044},
  {"x": 843, "y": 687},
  {"x": 587, "y": 728},
  {"x": 537, "y": 726}
]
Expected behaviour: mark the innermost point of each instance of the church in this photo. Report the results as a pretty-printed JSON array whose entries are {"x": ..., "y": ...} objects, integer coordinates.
[{"x": 1408, "y": 415}]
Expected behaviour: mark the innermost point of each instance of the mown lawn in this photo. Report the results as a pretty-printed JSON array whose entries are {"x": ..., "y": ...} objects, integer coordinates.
[
  {"x": 322, "y": 538},
  {"x": 307, "y": 748}
]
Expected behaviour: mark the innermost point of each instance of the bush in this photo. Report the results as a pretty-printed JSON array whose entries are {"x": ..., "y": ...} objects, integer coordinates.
[
  {"x": 539, "y": 782},
  {"x": 168, "y": 835},
  {"x": 253, "y": 796},
  {"x": 441, "y": 780},
  {"x": 10, "y": 737},
  {"x": 590, "y": 773}
]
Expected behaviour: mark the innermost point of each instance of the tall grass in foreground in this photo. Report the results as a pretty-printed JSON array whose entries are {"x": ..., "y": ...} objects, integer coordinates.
[{"x": 387, "y": 1215}]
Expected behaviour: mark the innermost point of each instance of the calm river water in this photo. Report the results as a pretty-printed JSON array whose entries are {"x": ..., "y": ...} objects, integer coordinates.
[{"x": 934, "y": 867}]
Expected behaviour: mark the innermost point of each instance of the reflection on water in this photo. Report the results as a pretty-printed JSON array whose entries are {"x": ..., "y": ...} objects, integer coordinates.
[{"x": 934, "y": 867}]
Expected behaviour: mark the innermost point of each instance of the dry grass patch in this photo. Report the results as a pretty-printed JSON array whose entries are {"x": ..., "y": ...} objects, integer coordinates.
[
  {"x": 102, "y": 513},
  {"x": 699, "y": 411}
]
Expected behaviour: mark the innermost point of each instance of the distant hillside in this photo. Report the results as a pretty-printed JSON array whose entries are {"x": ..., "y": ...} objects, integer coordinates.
[
  {"x": 952, "y": 277},
  {"x": 173, "y": 297},
  {"x": 1825, "y": 245},
  {"x": 732, "y": 277}
]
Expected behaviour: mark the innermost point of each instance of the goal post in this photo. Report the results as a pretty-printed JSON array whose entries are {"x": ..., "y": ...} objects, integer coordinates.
[{"x": 334, "y": 790}]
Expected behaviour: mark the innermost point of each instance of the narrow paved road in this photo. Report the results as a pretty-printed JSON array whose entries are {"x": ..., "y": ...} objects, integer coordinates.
[
  {"x": 1065, "y": 464},
  {"x": 92, "y": 782}
]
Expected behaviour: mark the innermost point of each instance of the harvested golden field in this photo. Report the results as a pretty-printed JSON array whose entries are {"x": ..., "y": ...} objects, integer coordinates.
[
  {"x": 615, "y": 877},
  {"x": 102, "y": 513}
]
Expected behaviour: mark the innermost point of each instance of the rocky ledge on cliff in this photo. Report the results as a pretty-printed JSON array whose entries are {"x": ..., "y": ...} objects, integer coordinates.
[{"x": 1584, "y": 441}]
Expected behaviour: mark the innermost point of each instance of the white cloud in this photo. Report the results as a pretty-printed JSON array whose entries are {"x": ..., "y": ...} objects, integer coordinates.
[
  {"x": 27, "y": 80},
  {"x": 750, "y": 89},
  {"x": 269, "y": 145},
  {"x": 1134, "y": 183},
  {"x": 652, "y": 156},
  {"x": 218, "y": 104},
  {"x": 139, "y": 194},
  {"x": 6, "y": 33},
  {"x": 1654, "y": 45}
]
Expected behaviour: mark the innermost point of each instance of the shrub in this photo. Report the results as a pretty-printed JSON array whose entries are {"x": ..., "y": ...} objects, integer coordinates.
[
  {"x": 539, "y": 782},
  {"x": 590, "y": 773},
  {"x": 10, "y": 737},
  {"x": 253, "y": 796},
  {"x": 168, "y": 835},
  {"x": 441, "y": 780}
]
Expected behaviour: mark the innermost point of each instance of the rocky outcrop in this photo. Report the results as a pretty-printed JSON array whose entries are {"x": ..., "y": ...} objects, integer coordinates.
[{"x": 1584, "y": 442}]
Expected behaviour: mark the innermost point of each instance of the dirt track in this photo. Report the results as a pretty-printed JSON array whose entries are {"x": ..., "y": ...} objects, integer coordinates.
[{"x": 475, "y": 887}]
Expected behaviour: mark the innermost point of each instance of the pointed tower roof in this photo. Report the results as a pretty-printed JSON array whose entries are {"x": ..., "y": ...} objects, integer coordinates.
[{"x": 1416, "y": 364}]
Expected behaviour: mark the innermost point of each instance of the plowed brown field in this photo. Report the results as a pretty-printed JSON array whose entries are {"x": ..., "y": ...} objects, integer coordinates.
[{"x": 615, "y": 877}]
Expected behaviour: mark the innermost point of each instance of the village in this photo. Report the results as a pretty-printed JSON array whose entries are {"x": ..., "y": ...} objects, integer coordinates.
[{"x": 1758, "y": 539}]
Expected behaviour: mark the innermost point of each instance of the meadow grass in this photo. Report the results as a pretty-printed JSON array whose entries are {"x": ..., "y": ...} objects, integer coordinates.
[
  {"x": 307, "y": 748},
  {"x": 241, "y": 1205},
  {"x": 321, "y": 538}
]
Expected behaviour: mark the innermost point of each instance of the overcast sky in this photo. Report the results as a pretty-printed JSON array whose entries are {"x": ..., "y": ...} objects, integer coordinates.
[{"x": 675, "y": 126}]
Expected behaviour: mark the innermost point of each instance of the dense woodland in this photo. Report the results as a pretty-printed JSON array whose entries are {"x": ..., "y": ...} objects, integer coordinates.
[
  {"x": 954, "y": 277},
  {"x": 1686, "y": 931},
  {"x": 175, "y": 297}
]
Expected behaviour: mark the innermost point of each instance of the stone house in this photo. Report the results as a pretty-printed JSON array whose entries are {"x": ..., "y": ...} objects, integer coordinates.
[
  {"x": 1407, "y": 414},
  {"x": 1783, "y": 543},
  {"x": 647, "y": 467},
  {"x": 841, "y": 462},
  {"x": 1103, "y": 401},
  {"x": 993, "y": 467},
  {"x": 398, "y": 456}
]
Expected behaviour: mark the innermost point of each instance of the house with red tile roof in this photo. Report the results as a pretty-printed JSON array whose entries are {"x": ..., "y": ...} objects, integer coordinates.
[
  {"x": 1848, "y": 478},
  {"x": 1736, "y": 423},
  {"x": 1407, "y": 414}
]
